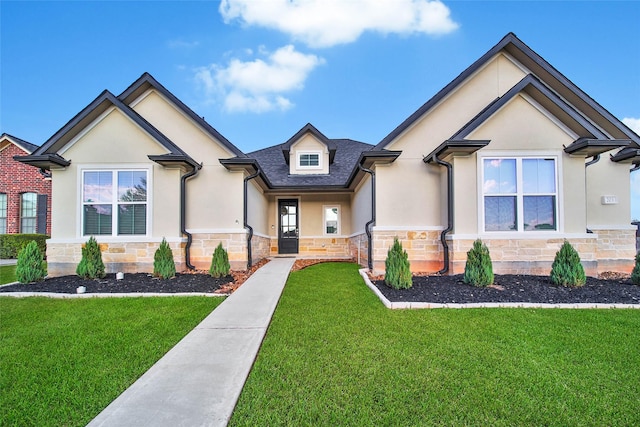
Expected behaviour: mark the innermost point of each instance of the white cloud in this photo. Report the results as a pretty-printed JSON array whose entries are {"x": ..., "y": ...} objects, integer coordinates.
[
  {"x": 325, "y": 23},
  {"x": 259, "y": 85},
  {"x": 633, "y": 124}
]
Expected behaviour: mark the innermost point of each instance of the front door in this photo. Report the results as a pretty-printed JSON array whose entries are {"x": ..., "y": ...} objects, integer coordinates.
[{"x": 288, "y": 226}]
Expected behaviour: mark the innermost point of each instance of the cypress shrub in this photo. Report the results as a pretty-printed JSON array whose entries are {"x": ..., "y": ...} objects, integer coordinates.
[
  {"x": 220, "y": 263},
  {"x": 29, "y": 268},
  {"x": 91, "y": 265},
  {"x": 635, "y": 274},
  {"x": 163, "y": 264},
  {"x": 478, "y": 271},
  {"x": 566, "y": 269},
  {"x": 397, "y": 268}
]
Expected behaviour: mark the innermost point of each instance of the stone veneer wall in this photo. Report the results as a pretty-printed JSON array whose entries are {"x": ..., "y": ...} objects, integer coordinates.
[
  {"x": 423, "y": 247},
  {"x": 63, "y": 258},
  {"x": 616, "y": 250},
  {"x": 318, "y": 247},
  {"x": 359, "y": 249},
  {"x": 204, "y": 244},
  {"x": 260, "y": 246}
]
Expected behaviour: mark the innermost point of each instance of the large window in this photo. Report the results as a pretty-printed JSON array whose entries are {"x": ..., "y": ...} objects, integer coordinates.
[
  {"x": 114, "y": 202},
  {"x": 520, "y": 194},
  {"x": 28, "y": 213},
  {"x": 331, "y": 220},
  {"x": 3, "y": 213}
]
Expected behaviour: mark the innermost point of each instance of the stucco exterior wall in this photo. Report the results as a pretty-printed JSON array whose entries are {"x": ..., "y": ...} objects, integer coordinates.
[
  {"x": 607, "y": 178},
  {"x": 361, "y": 206},
  {"x": 308, "y": 143}
]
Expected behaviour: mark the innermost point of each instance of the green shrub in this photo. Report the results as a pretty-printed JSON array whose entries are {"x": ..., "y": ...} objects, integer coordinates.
[
  {"x": 30, "y": 268},
  {"x": 91, "y": 265},
  {"x": 635, "y": 274},
  {"x": 220, "y": 263},
  {"x": 397, "y": 268},
  {"x": 566, "y": 269},
  {"x": 478, "y": 271},
  {"x": 12, "y": 244},
  {"x": 163, "y": 264}
]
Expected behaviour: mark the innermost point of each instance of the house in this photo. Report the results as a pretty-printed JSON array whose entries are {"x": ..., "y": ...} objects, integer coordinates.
[
  {"x": 25, "y": 192},
  {"x": 511, "y": 151}
]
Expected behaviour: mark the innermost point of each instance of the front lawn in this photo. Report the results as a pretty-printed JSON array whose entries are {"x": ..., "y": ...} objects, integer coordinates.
[
  {"x": 63, "y": 361},
  {"x": 7, "y": 274},
  {"x": 334, "y": 355}
]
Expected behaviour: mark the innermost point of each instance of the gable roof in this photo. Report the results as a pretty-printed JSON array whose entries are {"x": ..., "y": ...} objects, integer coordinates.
[
  {"x": 146, "y": 81},
  {"x": 20, "y": 143},
  {"x": 552, "y": 78},
  {"x": 309, "y": 128},
  {"x": 47, "y": 155},
  {"x": 276, "y": 170}
]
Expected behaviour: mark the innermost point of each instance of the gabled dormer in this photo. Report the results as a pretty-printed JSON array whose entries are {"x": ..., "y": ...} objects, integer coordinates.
[{"x": 309, "y": 152}]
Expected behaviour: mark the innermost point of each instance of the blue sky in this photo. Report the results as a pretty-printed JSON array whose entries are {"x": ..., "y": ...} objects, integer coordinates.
[{"x": 259, "y": 71}]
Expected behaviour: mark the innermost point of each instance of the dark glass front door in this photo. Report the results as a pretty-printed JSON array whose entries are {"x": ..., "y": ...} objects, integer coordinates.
[{"x": 288, "y": 226}]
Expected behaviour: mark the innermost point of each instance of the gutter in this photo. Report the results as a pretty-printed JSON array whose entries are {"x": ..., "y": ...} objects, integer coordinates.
[
  {"x": 245, "y": 215},
  {"x": 595, "y": 159},
  {"x": 183, "y": 213},
  {"x": 447, "y": 230},
  {"x": 368, "y": 226}
]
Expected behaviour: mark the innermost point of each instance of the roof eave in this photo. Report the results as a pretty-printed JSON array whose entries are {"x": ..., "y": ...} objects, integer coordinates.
[
  {"x": 628, "y": 155},
  {"x": 175, "y": 160},
  {"x": 452, "y": 147},
  {"x": 44, "y": 161},
  {"x": 594, "y": 147}
]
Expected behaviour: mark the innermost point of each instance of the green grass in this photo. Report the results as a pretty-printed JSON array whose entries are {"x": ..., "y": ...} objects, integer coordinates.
[
  {"x": 63, "y": 361},
  {"x": 7, "y": 274},
  {"x": 334, "y": 355}
]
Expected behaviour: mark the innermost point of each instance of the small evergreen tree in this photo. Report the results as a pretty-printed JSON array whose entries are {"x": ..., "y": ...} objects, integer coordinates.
[
  {"x": 397, "y": 268},
  {"x": 635, "y": 274},
  {"x": 29, "y": 268},
  {"x": 163, "y": 264},
  {"x": 220, "y": 263},
  {"x": 91, "y": 265},
  {"x": 567, "y": 269},
  {"x": 478, "y": 271}
]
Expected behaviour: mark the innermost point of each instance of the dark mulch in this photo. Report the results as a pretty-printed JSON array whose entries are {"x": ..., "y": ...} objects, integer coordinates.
[
  {"x": 132, "y": 283},
  {"x": 513, "y": 288}
]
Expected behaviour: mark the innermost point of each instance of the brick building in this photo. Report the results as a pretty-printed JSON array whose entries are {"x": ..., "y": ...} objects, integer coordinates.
[{"x": 25, "y": 192}]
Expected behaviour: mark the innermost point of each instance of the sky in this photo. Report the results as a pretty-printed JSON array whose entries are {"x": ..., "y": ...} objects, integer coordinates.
[{"x": 258, "y": 71}]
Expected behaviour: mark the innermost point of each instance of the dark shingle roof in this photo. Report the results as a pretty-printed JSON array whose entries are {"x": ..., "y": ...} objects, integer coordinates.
[
  {"x": 26, "y": 146},
  {"x": 276, "y": 170}
]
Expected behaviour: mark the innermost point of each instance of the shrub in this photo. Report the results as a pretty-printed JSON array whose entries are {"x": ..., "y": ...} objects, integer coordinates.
[
  {"x": 91, "y": 265},
  {"x": 635, "y": 274},
  {"x": 163, "y": 264},
  {"x": 220, "y": 263},
  {"x": 478, "y": 271},
  {"x": 30, "y": 268},
  {"x": 566, "y": 269},
  {"x": 397, "y": 268},
  {"x": 12, "y": 244}
]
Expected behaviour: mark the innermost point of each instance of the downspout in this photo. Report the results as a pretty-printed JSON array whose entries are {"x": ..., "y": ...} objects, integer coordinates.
[
  {"x": 635, "y": 168},
  {"x": 447, "y": 230},
  {"x": 594, "y": 160},
  {"x": 369, "y": 224},
  {"x": 183, "y": 213},
  {"x": 245, "y": 216}
]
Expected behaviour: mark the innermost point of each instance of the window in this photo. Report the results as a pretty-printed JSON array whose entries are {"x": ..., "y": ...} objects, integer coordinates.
[
  {"x": 3, "y": 213},
  {"x": 332, "y": 220},
  {"x": 28, "y": 212},
  {"x": 121, "y": 192},
  {"x": 520, "y": 194},
  {"x": 309, "y": 160}
]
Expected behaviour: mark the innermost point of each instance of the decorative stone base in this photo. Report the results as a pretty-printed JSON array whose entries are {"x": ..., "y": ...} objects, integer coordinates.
[
  {"x": 318, "y": 247},
  {"x": 359, "y": 249},
  {"x": 260, "y": 247},
  {"x": 204, "y": 244},
  {"x": 423, "y": 248}
]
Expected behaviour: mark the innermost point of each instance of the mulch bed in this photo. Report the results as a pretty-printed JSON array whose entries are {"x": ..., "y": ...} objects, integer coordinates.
[
  {"x": 188, "y": 282},
  {"x": 514, "y": 288}
]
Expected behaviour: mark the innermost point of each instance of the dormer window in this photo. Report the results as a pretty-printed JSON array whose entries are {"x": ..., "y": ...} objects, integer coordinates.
[{"x": 309, "y": 160}]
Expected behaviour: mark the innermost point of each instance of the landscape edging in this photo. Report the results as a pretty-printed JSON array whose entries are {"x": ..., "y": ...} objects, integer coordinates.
[{"x": 429, "y": 305}]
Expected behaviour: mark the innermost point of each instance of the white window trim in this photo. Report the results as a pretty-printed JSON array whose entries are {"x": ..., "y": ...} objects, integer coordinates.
[
  {"x": 22, "y": 217},
  {"x": 519, "y": 199},
  {"x": 301, "y": 153},
  {"x": 324, "y": 220},
  {"x": 114, "y": 168}
]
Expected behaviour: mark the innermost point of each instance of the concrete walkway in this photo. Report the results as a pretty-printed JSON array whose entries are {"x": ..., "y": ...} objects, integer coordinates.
[{"x": 198, "y": 382}]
